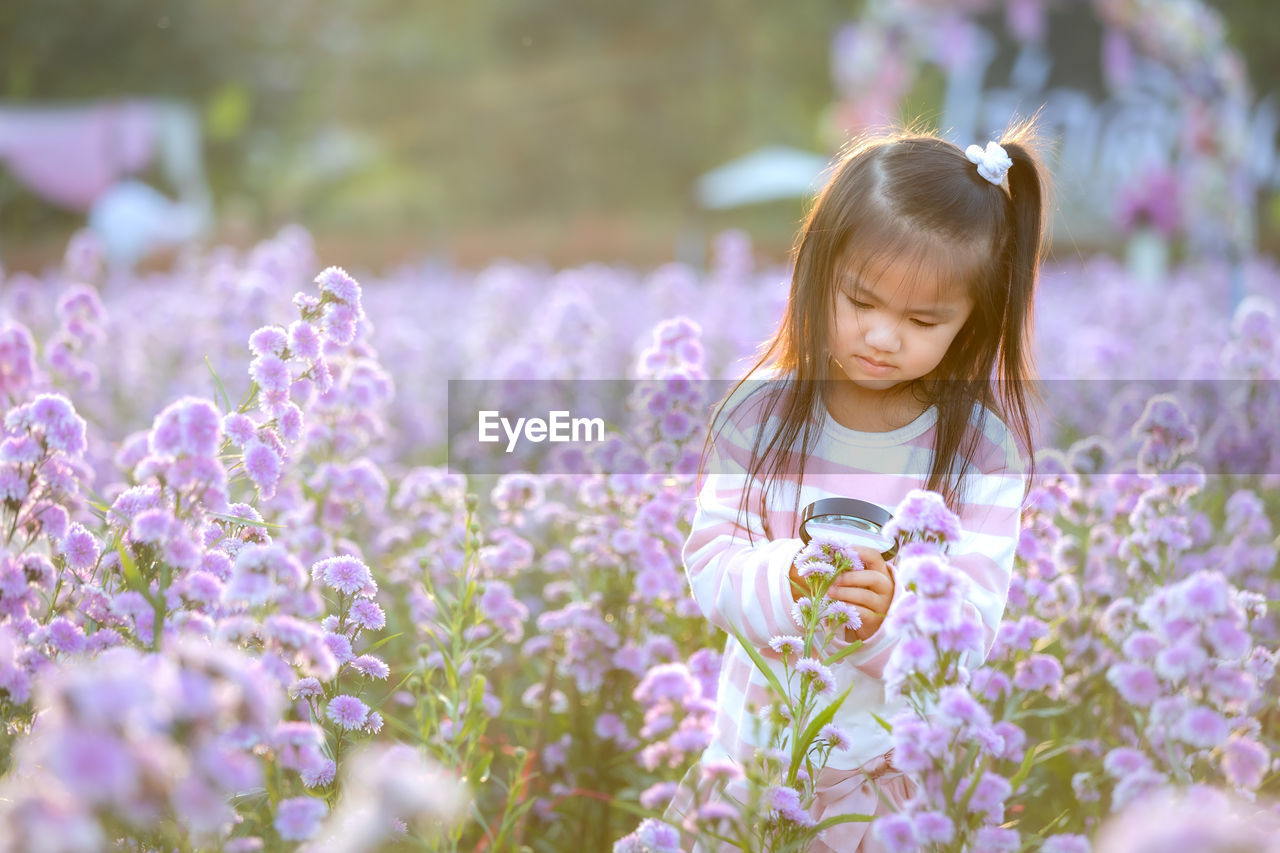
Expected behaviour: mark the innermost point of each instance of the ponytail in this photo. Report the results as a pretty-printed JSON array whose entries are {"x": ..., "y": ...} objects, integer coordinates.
[{"x": 1024, "y": 251}]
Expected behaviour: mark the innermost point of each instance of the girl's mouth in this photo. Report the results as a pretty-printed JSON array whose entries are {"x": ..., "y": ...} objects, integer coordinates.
[{"x": 873, "y": 366}]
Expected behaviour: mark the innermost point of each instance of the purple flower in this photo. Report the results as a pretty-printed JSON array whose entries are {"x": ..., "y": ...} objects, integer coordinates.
[
  {"x": 304, "y": 340},
  {"x": 835, "y": 736},
  {"x": 340, "y": 646},
  {"x": 269, "y": 340},
  {"x": 335, "y": 282},
  {"x": 658, "y": 794},
  {"x": 1038, "y": 672},
  {"x": 306, "y": 688},
  {"x": 345, "y": 574},
  {"x": 671, "y": 682},
  {"x": 151, "y": 525},
  {"x": 289, "y": 421},
  {"x": 825, "y": 557},
  {"x": 505, "y": 610},
  {"x": 80, "y": 547},
  {"x": 263, "y": 466},
  {"x": 66, "y": 636},
  {"x": 813, "y": 670},
  {"x": 298, "y": 818},
  {"x": 1066, "y": 843},
  {"x": 270, "y": 372},
  {"x": 931, "y": 575},
  {"x": 787, "y": 645},
  {"x": 319, "y": 773},
  {"x": 1165, "y": 419},
  {"x": 22, "y": 449},
  {"x": 239, "y": 428},
  {"x": 988, "y": 795},
  {"x": 372, "y": 666},
  {"x": 1135, "y": 682},
  {"x": 923, "y": 515},
  {"x": 1183, "y": 661},
  {"x": 996, "y": 839},
  {"x": 1142, "y": 646},
  {"x": 1244, "y": 762},
  {"x": 785, "y": 802},
  {"x": 1013, "y": 740},
  {"x": 190, "y": 426},
  {"x": 347, "y": 711},
  {"x": 13, "y": 485},
  {"x": 95, "y": 766},
  {"x": 652, "y": 836},
  {"x": 367, "y": 614},
  {"x": 54, "y": 416},
  {"x": 989, "y": 684},
  {"x": 896, "y": 832},
  {"x": 17, "y": 360},
  {"x": 721, "y": 770},
  {"x": 1123, "y": 761},
  {"x": 957, "y": 707},
  {"x": 934, "y": 828},
  {"x": 1228, "y": 638},
  {"x": 1203, "y": 727}
]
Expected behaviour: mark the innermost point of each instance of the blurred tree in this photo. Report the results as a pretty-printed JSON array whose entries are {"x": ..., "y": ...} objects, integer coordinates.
[{"x": 374, "y": 116}]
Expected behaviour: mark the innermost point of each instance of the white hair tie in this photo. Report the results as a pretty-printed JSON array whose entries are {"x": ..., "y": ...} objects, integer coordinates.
[{"x": 992, "y": 163}]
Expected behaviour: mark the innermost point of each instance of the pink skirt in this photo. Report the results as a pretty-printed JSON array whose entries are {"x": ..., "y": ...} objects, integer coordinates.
[{"x": 877, "y": 788}]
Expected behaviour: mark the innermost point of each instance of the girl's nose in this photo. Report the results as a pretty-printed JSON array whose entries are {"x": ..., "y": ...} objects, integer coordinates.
[{"x": 882, "y": 337}]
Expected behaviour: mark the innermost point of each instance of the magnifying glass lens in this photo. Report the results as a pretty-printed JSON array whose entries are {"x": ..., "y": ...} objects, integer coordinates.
[
  {"x": 849, "y": 521},
  {"x": 851, "y": 531}
]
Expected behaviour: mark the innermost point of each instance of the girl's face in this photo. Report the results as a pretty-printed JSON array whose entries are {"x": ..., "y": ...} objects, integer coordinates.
[{"x": 891, "y": 325}]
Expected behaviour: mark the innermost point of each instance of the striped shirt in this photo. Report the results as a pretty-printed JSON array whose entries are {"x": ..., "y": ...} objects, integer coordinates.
[{"x": 745, "y": 583}]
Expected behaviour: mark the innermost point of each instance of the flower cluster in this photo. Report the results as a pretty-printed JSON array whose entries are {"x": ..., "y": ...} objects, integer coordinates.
[{"x": 149, "y": 744}]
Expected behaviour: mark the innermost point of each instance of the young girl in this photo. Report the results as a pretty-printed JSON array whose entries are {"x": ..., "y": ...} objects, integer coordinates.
[{"x": 902, "y": 362}]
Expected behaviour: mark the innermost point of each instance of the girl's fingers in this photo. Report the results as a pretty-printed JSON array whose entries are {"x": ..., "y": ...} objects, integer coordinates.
[
  {"x": 871, "y": 558},
  {"x": 870, "y": 622},
  {"x": 869, "y": 599},
  {"x": 877, "y": 581}
]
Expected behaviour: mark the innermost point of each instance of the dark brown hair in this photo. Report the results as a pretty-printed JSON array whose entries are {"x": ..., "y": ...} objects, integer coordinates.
[{"x": 910, "y": 195}]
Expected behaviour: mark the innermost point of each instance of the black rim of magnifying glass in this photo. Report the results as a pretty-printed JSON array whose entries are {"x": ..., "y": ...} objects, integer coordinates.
[{"x": 851, "y": 507}]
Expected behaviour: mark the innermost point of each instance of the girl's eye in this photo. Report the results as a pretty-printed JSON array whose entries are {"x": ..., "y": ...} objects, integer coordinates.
[
  {"x": 861, "y": 306},
  {"x": 923, "y": 325}
]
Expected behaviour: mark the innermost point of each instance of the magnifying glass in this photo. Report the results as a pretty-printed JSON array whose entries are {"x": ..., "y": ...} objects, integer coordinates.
[{"x": 848, "y": 521}]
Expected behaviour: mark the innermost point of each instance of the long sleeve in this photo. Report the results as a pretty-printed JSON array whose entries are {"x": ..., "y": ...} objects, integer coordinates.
[{"x": 736, "y": 580}]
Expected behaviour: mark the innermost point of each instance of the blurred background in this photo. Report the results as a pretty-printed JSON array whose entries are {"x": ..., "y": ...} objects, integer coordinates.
[{"x": 570, "y": 131}]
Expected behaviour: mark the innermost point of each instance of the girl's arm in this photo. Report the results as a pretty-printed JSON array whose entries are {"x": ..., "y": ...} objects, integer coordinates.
[{"x": 738, "y": 583}]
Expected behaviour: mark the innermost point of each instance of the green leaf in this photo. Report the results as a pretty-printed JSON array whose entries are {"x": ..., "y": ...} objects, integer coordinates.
[
  {"x": 761, "y": 665},
  {"x": 884, "y": 724},
  {"x": 132, "y": 577},
  {"x": 842, "y": 818},
  {"x": 811, "y": 731},
  {"x": 403, "y": 727},
  {"x": 383, "y": 642},
  {"x": 225, "y": 403},
  {"x": 481, "y": 769},
  {"x": 1041, "y": 752},
  {"x": 843, "y": 653},
  {"x": 1047, "y": 712},
  {"x": 235, "y": 519}
]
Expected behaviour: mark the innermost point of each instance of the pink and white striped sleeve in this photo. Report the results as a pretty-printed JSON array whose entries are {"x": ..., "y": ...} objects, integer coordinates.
[{"x": 737, "y": 581}]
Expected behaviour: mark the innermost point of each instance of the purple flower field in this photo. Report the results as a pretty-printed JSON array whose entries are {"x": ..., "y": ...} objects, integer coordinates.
[{"x": 244, "y": 605}]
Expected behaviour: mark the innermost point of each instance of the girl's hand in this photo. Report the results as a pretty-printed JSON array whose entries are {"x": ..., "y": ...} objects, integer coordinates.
[{"x": 869, "y": 591}]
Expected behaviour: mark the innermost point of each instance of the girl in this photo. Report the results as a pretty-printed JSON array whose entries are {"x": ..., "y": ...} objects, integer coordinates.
[{"x": 902, "y": 362}]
